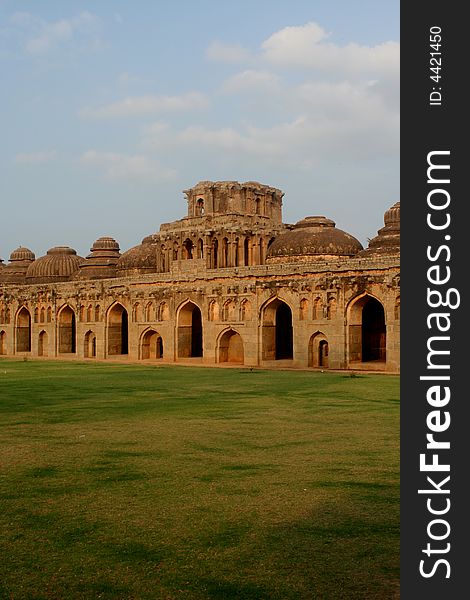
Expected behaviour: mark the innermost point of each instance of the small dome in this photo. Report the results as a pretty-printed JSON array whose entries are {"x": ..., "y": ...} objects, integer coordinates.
[
  {"x": 139, "y": 259},
  {"x": 15, "y": 270},
  {"x": 101, "y": 263},
  {"x": 22, "y": 253},
  {"x": 59, "y": 264},
  {"x": 313, "y": 236},
  {"x": 105, "y": 243},
  {"x": 387, "y": 240}
]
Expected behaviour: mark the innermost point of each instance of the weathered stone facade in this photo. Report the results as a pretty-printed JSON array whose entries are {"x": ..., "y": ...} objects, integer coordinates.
[{"x": 229, "y": 283}]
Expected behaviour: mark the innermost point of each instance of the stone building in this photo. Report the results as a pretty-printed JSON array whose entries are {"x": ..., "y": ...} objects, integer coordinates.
[{"x": 228, "y": 283}]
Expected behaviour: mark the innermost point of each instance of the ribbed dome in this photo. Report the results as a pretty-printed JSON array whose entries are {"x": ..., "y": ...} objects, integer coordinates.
[
  {"x": 59, "y": 264},
  {"x": 101, "y": 263},
  {"x": 139, "y": 259},
  {"x": 22, "y": 253},
  {"x": 313, "y": 236},
  {"x": 105, "y": 243},
  {"x": 15, "y": 270},
  {"x": 387, "y": 240}
]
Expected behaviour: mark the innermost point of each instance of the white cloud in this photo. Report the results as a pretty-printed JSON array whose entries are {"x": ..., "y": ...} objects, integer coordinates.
[
  {"x": 43, "y": 36},
  {"x": 117, "y": 167},
  {"x": 143, "y": 105},
  {"x": 252, "y": 81},
  {"x": 304, "y": 46},
  {"x": 221, "y": 52},
  {"x": 34, "y": 158}
]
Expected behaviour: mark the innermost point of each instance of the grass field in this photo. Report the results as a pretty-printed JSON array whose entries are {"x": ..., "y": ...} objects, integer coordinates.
[{"x": 141, "y": 482}]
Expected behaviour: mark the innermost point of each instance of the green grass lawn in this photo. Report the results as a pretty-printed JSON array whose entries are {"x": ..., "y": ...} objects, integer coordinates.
[{"x": 126, "y": 481}]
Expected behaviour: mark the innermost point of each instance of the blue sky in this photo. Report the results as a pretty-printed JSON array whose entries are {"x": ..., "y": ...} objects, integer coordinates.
[{"x": 110, "y": 109}]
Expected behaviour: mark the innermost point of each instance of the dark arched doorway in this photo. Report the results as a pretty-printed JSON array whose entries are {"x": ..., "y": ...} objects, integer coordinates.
[
  {"x": 277, "y": 332},
  {"x": 190, "y": 331},
  {"x": 89, "y": 349},
  {"x": 373, "y": 331},
  {"x": 118, "y": 330},
  {"x": 23, "y": 330},
  {"x": 367, "y": 330},
  {"x": 67, "y": 333}
]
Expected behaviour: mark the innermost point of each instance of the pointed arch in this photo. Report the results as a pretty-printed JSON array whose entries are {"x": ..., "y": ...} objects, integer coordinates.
[
  {"x": 67, "y": 330},
  {"x": 245, "y": 310},
  {"x": 151, "y": 345},
  {"x": 213, "y": 310},
  {"x": 118, "y": 330},
  {"x": 317, "y": 309},
  {"x": 190, "y": 335},
  {"x": 277, "y": 330},
  {"x": 303, "y": 309},
  {"x": 23, "y": 330},
  {"x": 318, "y": 350},
  {"x": 163, "y": 312},
  {"x": 366, "y": 329},
  {"x": 3, "y": 342},
  {"x": 230, "y": 347},
  {"x": 43, "y": 344},
  {"x": 89, "y": 344}
]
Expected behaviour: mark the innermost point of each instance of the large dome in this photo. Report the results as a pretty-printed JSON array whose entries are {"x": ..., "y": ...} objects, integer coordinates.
[
  {"x": 139, "y": 259},
  {"x": 313, "y": 237},
  {"x": 58, "y": 265}
]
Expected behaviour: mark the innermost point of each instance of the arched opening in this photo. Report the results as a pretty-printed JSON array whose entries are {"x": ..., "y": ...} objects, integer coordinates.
[
  {"x": 303, "y": 310},
  {"x": 231, "y": 348},
  {"x": 89, "y": 347},
  {"x": 367, "y": 330},
  {"x": 3, "y": 342},
  {"x": 49, "y": 314},
  {"x": 323, "y": 354},
  {"x": 23, "y": 330},
  {"x": 189, "y": 331},
  {"x": 246, "y": 252},
  {"x": 118, "y": 330},
  {"x": 188, "y": 248},
  {"x": 236, "y": 250},
  {"x": 225, "y": 257},
  {"x": 277, "y": 332},
  {"x": 200, "y": 207},
  {"x": 42, "y": 344},
  {"x": 215, "y": 254},
  {"x": 42, "y": 315},
  {"x": 152, "y": 345},
  {"x": 200, "y": 249},
  {"x": 318, "y": 350},
  {"x": 67, "y": 331}
]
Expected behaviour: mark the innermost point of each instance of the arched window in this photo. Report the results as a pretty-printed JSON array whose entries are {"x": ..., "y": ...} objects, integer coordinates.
[
  {"x": 317, "y": 309},
  {"x": 42, "y": 315},
  {"x": 331, "y": 309},
  {"x": 303, "y": 310}
]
